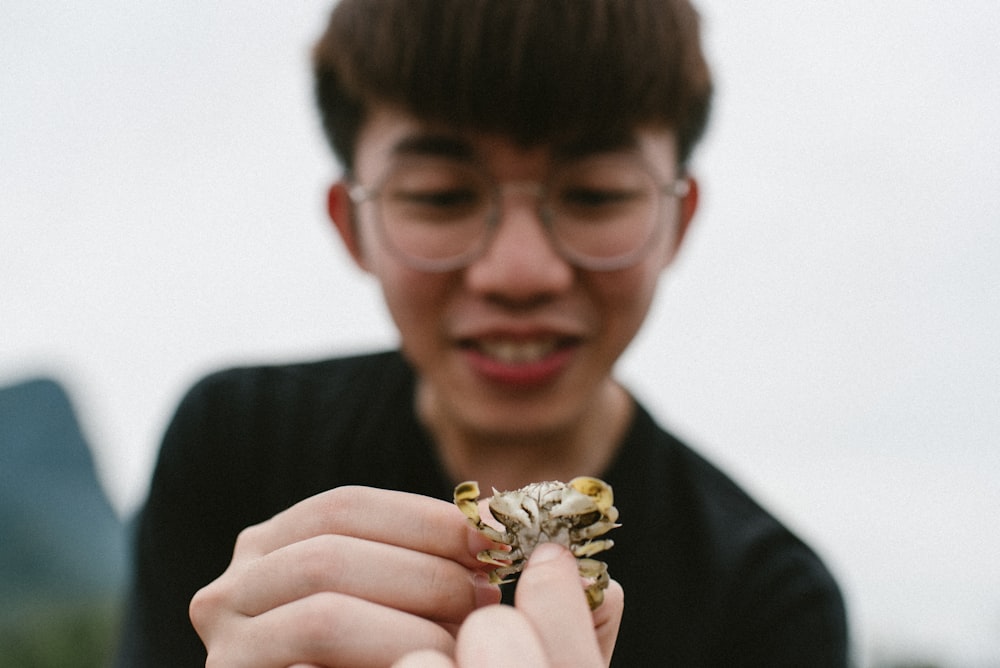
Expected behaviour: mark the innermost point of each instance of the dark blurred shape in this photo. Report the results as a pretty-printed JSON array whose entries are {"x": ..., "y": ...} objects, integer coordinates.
[{"x": 63, "y": 556}]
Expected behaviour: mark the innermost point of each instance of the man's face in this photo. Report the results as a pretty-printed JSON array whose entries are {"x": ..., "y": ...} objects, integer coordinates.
[{"x": 520, "y": 342}]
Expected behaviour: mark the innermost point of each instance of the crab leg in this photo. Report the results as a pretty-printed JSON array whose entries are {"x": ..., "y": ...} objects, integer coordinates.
[
  {"x": 598, "y": 490},
  {"x": 597, "y": 572},
  {"x": 592, "y": 547}
]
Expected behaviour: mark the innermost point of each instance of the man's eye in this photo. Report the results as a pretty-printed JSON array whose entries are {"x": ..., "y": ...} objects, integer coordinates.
[
  {"x": 595, "y": 197},
  {"x": 444, "y": 198}
]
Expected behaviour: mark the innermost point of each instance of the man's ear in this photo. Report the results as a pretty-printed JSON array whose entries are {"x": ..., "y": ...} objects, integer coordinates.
[
  {"x": 341, "y": 210},
  {"x": 688, "y": 207}
]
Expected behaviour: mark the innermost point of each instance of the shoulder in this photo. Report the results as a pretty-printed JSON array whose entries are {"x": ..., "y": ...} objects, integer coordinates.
[
  {"x": 681, "y": 476},
  {"x": 283, "y": 381},
  {"x": 261, "y": 411},
  {"x": 265, "y": 437},
  {"x": 296, "y": 390},
  {"x": 764, "y": 592}
]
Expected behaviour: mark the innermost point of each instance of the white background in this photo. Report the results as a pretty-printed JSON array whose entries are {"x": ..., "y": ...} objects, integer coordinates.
[{"x": 829, "y": 335}]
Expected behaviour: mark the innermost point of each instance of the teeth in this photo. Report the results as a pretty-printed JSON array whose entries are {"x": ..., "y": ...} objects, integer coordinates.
[{"x": 517, "y": 352}]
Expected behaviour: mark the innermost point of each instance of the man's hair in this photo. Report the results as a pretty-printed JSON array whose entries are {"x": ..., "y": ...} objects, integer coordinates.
[{"x": 536, "y": 71}]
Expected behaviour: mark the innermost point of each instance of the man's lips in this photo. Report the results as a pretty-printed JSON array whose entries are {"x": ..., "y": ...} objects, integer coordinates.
[
  {"x": 516, "y": 349},
  {"x": 516, "y": 352},
  {"x": 520, "y": 361}
]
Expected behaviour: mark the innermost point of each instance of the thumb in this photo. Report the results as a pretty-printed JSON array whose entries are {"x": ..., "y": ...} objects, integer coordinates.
[{"x": 551, "y": 595}]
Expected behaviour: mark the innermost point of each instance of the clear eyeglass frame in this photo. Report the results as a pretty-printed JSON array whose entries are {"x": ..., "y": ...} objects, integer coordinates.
[{"x": 490, "y": 220}]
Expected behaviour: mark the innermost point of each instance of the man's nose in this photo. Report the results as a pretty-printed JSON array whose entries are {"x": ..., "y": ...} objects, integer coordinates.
[{"x": 521, "y": 264}]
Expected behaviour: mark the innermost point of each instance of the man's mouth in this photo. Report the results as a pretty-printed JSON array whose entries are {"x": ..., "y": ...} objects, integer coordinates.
[
  {"x": 520, "y": 362},
  {"x": 512, "y": 352}
]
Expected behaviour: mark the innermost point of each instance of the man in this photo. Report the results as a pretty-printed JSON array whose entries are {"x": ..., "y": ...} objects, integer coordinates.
[{"x": 516, "y": 182}]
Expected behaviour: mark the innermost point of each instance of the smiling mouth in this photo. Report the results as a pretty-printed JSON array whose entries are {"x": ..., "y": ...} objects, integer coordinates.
[
  {"x": 518, "y": 352},
  {"x": 520, "y": 362}
]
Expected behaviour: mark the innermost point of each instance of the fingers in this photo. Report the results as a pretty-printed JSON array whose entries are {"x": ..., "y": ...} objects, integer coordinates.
[
  {"x": 550, "y": 594},
  {"x": 424, "y": 659},
  {"x": 608, "y": 619},
  {"x": 353, "y": 576},
  {"x": 500, "y": 636},
  {"x": 395, "y": 518},
  {"x": 329, "y": 630},
  {"x": 415, "y": 582}
]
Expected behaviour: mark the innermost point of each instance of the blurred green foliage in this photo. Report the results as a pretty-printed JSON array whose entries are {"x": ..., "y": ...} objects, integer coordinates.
[{"x": 61, "y": 635}]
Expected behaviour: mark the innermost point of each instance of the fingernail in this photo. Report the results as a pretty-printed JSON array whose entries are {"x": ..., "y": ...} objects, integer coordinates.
[
  {"x": 478, "y": 542},
  {"x": 486, "y": 593},
  {"x": 547, "y": 552}
]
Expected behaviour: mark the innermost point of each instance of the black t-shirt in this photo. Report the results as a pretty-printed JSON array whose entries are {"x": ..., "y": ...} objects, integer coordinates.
[{"x": 710, "y": 578}]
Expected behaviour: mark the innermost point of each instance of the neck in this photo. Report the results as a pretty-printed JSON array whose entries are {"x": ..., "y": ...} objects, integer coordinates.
[{"x": 511, "y": 459}]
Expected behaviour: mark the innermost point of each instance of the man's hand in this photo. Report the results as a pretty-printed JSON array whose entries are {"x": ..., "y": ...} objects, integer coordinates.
[
  {"x": 351, "y": 577},
  {"x": 551, "y": 624}
]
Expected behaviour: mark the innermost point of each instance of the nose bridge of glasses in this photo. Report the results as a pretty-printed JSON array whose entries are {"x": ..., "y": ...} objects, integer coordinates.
[
  {"x": 530, "y": 190},
  {"x": 517, "y": 197},
  {"x": 523, "y": 200}
]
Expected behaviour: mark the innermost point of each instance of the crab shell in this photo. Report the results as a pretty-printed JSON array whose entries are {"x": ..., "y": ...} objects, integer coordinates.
[{"x": 571, "y": 514}]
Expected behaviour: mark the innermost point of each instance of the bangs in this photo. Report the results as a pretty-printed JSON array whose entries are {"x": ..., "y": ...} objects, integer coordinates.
[{"x": 535, "y": 71}]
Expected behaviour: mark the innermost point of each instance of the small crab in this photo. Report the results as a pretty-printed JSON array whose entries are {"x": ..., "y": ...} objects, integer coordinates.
[{"x": 571, "y": 514}]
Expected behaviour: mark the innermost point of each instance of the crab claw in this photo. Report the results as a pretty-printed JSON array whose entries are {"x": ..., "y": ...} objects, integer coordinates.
[
  {"x": 598, "y": 490},
  {"x": 467, "y": 500}
]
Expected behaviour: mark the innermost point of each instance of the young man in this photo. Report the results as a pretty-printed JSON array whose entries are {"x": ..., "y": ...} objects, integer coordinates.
[{"x": 516, "y": 182}]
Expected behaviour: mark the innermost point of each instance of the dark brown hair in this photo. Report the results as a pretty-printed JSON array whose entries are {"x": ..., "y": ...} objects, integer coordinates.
[{"x": 537, "y": 71}]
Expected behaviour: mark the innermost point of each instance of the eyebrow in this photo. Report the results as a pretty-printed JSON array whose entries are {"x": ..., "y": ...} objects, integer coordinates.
[
  {"x": 456, "y": 147},
  {"x": 594, "y": 143},
  {"x": 436, "y": 145}
]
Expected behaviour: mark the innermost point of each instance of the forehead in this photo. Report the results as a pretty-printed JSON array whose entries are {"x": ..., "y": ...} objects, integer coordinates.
[{"x": 390, "y": 135}]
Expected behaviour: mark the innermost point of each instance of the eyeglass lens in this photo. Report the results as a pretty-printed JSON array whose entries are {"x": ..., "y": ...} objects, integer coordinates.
[{"x": 441, "y": 213}]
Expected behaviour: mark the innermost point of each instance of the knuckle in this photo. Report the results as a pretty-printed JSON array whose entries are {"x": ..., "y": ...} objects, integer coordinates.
[
  {"x": 343, "y": 503},
  {"x": 320, "y": 624},
  {"x": 317, "y": 629},
  {"x": 208, "y": 613},
  {"x": 450, "y": 590},
  {"x": 347, "y": 497},
  {"x": 214, "y": 661},
  {"x": 247, "y": 539},
  {"x": 210, "y": 603},
  {"x": 317, "y": 563},
  {"x": 203, "y": 606},
  {"x": 218, "y": 659}
]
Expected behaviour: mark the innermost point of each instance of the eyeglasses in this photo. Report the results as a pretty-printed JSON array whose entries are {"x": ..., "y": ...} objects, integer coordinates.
[{"x": 601, "y": 213}]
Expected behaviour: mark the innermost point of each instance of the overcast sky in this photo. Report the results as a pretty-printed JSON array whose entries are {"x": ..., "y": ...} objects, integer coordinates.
[{"x": 829, "y": 334}]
